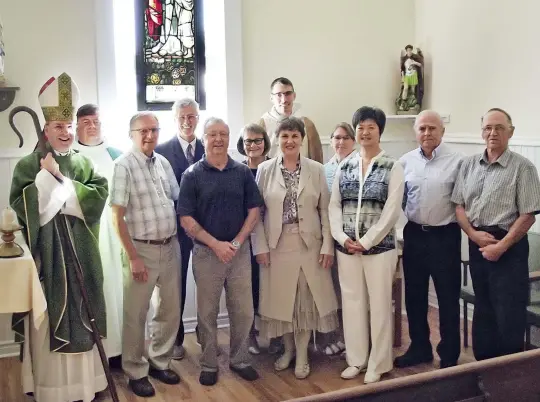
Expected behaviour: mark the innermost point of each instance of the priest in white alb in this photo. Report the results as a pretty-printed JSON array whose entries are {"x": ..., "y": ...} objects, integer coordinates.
[
  {"x": 60, "y": 358},
  {"x": 91, "y": 143}
]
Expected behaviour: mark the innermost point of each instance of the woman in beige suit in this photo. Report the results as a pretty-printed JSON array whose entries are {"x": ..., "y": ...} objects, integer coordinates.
[{"x": 294, "y": 246}]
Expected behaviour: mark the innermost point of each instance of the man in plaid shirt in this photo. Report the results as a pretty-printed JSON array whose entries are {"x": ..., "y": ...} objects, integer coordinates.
[{"x": 143, "y": 191}]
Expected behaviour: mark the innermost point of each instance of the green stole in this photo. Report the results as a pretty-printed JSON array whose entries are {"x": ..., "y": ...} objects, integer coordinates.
[
  {"x": 114, "y": 153},
  {"x": 69, "y": 326}
]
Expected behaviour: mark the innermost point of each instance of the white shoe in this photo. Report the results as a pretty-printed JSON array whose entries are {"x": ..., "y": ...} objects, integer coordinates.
[
  {"x": 371, "y": 378},
  {"x": 283, "y": 362},
  {"x": 352, "y": 371},
  {"x": 302, "y": 371}
]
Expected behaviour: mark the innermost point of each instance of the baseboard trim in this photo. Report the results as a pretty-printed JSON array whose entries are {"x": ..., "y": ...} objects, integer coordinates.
[{"x": 9, "y": 349}]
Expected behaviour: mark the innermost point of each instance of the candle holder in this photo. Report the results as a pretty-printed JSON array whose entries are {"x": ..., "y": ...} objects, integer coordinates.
[{"x": 10, "y": 249}]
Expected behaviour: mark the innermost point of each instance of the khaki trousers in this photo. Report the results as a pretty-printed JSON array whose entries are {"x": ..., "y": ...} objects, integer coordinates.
[
  {"x": 211, "y": 276},
  {"x": 162, "y": 262},
  {"x": 366, "y": 291}
]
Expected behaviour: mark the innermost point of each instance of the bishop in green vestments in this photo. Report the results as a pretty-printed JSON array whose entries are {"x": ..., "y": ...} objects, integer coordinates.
[{"x": 60, "y": 360}]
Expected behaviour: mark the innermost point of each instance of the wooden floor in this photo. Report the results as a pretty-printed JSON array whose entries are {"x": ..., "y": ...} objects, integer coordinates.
[{"x": 272, "y": 386}]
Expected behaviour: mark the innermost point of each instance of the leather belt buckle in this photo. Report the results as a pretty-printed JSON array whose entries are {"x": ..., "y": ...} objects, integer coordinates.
[
  {"x": 165, "y": 241},
  {"x": 425, "y": 228}
]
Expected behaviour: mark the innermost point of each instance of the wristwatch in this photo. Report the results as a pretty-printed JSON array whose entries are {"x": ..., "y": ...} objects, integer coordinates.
[{"x": 236, "y": 244}]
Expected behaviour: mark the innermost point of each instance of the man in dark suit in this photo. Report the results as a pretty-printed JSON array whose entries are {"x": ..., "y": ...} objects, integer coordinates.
[{"x": 182, "y": 151}]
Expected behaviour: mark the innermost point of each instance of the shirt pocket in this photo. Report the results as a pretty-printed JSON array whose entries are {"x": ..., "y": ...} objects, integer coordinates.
[{"x": 165, "y": 185}]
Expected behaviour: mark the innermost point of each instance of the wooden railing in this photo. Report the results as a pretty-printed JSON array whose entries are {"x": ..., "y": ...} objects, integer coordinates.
[{"x": 513, "y": 378}]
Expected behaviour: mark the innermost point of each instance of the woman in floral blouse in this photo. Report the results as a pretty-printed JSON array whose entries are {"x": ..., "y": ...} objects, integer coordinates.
[{"x": 293, "y": 244}]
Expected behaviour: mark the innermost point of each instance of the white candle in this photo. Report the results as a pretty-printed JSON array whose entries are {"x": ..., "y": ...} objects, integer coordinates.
[{"x": 8, "y": 218}]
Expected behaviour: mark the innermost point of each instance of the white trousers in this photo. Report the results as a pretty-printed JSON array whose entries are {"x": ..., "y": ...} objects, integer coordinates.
[{"x": 366, "y": 292}]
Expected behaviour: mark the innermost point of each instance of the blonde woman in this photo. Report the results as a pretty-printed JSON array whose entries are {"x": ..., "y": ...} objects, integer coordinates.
[
  {"x": 343, "y": 142},
  {"x": 293, "y": 244}
]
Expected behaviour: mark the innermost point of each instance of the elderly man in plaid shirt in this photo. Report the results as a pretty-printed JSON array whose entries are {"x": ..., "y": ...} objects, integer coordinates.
[{"x": 143, "y": 191}]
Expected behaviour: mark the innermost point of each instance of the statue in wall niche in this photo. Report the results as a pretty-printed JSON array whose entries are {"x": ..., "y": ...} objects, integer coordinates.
[
  {"x": 411, "y": 92},
  {"x": 2, "y": 56}
]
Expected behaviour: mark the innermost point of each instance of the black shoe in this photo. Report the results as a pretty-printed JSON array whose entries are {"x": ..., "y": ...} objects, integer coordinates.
[
  {"x": 208, "y": 378},
  {"x": 412, "y": 358},
  {"x": 142, "y": 387},
  {"x": 247, "y": 373},
  {"x": 115, "y": 362},
  {"x": 447, "y": 363},
  {"x": 276, "y": 346},
  {"x": 166, "y": 376}
]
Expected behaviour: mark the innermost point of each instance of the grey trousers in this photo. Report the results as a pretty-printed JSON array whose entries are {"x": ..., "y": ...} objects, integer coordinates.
[
  {"x": 211, "y": 276},
  {"x": 162, "y": 262}
]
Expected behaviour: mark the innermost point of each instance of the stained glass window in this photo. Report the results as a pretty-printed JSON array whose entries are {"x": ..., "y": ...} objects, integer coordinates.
[{"x": 170, "y": 52}]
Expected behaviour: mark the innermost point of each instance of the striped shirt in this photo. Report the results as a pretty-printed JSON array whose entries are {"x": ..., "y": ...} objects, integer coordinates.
[
  {"x": 495, "y": 194},
  {"x": 330, "y": 168},
  {"x": 147, "y": 188},
  {"x": 429, "y": 184}
]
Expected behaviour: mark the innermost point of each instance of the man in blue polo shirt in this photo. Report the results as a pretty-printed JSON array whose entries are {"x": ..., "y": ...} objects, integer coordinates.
[{"x": 219, "y": 207}]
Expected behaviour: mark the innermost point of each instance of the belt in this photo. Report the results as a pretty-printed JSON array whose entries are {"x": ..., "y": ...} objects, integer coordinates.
[
  {"x": 428, "y": 228},
  {"x": 156, "y": 242}
]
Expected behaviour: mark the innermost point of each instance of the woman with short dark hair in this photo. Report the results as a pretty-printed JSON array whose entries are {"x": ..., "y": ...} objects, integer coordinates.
[{"x": 364, "y": 207}]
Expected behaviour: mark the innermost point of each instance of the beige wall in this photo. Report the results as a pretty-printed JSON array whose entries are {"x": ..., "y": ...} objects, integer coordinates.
[
  {"x": 41, "y": 39},
  {"x": 340, "y": 55},
  {"x": 482, "y": 54}
]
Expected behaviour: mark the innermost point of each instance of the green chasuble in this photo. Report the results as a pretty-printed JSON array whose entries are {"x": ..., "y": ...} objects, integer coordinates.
[{"x": 70, "y": 330}]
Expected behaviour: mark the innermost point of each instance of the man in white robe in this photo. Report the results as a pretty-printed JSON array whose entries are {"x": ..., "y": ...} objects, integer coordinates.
[{"x": 91, "y": 143}]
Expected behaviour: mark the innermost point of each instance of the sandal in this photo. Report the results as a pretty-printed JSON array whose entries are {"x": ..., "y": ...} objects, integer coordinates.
[{"x": 333, "y": 349}]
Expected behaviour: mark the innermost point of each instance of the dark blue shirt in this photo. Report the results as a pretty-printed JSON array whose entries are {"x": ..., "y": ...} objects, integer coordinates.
[{"x": 218, "y": 200}]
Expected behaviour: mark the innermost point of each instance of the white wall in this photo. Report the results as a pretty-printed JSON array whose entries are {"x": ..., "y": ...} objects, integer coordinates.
[
  {"x": 340, "y": 55},
  {"x": 481, "y": 54}
]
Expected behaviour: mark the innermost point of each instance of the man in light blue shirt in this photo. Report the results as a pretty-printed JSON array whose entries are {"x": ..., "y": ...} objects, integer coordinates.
[{"x": 432, "y": 243}]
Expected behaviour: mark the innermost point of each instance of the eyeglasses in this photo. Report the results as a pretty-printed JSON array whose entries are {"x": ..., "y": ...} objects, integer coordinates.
[
  {"x": 499, "y": 129},
  {"x": 256, "y": 141},
  {"x": 146, "y": 131},
  {"x": 283, "y": 94}
]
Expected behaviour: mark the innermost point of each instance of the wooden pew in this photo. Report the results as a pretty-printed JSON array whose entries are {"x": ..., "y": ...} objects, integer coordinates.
[{"x": 513, "y": 378}]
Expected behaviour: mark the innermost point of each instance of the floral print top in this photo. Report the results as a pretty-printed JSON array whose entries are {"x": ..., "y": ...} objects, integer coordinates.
[{"x": 290, "y": 206}]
